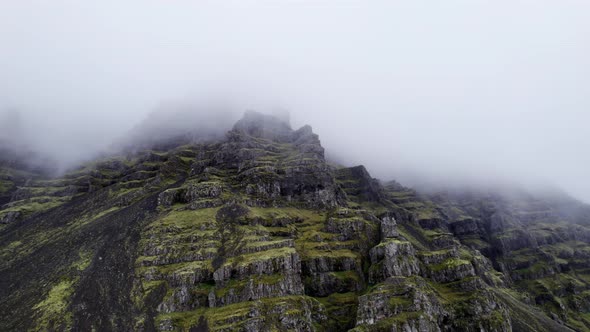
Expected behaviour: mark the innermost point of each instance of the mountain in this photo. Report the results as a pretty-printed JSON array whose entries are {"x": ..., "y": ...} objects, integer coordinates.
[{"x": 257, "y": 231}]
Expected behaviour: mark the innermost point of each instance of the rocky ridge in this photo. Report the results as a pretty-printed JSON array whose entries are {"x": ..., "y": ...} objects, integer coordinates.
[{"x": 258, "y": 232}]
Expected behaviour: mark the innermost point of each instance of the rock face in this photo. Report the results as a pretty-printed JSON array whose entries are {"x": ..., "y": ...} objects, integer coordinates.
[
  {"x": 357, "y": 183},
  {"x": 393, "y": 258},
  {"x": 256, "y": 231}
]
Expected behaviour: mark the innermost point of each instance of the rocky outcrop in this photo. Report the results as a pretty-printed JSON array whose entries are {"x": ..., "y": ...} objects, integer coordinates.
[
  {"x": 451, "y": 269},
  {"x": 351, "y": 225},
  {"x": 256, "y": 288},
  {"x": 321, "y": 264},
  {"x": 410, "y": 304},
  {"x": 403, "y": 305},
  {"x": 199, "y": 195},
  {"x": 277, "y": 165},
  {"x": 393, "y": 258},
  {"x": 388, "y": 226},
  {"x": 358, "y": 184},
  {"x": 241, "y": 270}
]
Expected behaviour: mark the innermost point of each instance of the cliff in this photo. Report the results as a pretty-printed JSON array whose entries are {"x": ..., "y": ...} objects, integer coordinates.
[{"x": 257, "y": 232}]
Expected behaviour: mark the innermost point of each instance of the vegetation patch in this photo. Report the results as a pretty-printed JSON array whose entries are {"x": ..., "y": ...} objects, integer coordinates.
[{"x": 53, "y": 313}]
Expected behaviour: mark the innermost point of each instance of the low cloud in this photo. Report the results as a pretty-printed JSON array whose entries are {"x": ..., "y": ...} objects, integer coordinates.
[{"x": 427, "y": 93}]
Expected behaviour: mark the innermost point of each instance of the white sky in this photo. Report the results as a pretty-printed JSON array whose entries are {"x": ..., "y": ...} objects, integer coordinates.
[{"x": 440, "y": 90}]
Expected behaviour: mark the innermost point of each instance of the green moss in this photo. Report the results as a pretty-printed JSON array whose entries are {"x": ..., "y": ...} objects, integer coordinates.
[
  {"x": 286, "y": 212},
  {"x": 53, "y": 310},
  {"x": 533, "y": 270},
  {"x": 432, "y": 233},
  {"x": 252, "y": 242},
  {"x": 187, "y": 160},
  {"x": 45, "y": 191},
  {"x": 11, "y": 251},
  {"x": 450, "y": 263},
  {"x": 36, "y": 204},
  {"x": 13, "y": 245},
  {"x": 270, "y": 279},
  {"x": 187, "y": 218},
  {"x": 396, "y": 241},
  {"x": 6, "y": 186},
  {"x": 231, "y": 285},
  {"x": 377, "y": 208},
  {"x": 180, "y": 268},
  {"x": 148, "y": 286},
  {"x": 236, "y": 316},
  {"x": 340, "y": 308},
  {"x": 399, "y": 301},
  {"x": 450, "y": 292},
  {"x": 84, "y": 261},
  {"x": 246, "y": 259},
  {"x": 341, "y": 253}
]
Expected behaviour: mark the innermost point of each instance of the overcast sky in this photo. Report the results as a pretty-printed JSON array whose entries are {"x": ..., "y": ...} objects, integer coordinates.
[{"x": 439, "y": 90}]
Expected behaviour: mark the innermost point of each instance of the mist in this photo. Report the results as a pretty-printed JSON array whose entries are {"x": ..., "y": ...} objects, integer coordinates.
[{"x": 445, "y": 93}]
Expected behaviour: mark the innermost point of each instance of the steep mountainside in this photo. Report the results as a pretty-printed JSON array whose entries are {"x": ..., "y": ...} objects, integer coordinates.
[{"x": 257, "y": 232}]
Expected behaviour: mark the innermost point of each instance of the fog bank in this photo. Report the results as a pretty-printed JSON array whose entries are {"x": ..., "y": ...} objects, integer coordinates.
[{"x": 421, "y": 91}]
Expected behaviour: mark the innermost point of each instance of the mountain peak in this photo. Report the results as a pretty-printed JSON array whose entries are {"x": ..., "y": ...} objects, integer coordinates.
[
  {"x": 270, "y": 127},
  {"x": 187, "y": 228},
  {"x": 261, "y": 125}
]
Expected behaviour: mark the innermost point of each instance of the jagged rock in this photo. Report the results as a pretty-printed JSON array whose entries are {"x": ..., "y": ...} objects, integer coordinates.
[
  {"x": 438, "y": 256},
  {"x": 326, "y": 283},
  {"x": 289, "y": 262},
  {"x": 388, "y": 226},
  {"x": 184, "y": 298},
  {"x": 391, "y": 259},
  {"x": 203, "y": 190},
  {"x": 303, "y": 175},
  {"x": 357, "y": 182},
  {"x": 450, "y": 270},
  {"x": 484, "y": 269},
  {"x": 169, "y": 197},
  {"x": 397, "y": 297},
  {"x": 514, "y": 240},
  {"x": 191, "y": 193},
  {"x": 329, "y": 264},
  {"x": 443, "y": 241},
  {"x": 409, "y": 304},
  {"x": 256, "y": 288},
  {"x": 352, "y": 228}
]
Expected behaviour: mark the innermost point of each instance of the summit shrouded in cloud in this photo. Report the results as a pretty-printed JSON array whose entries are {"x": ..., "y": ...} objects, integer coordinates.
[
  {"x": 418, "y": 91},
  {"x": 255, "y": 230},
  {"x": 295, "y": 165}
]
